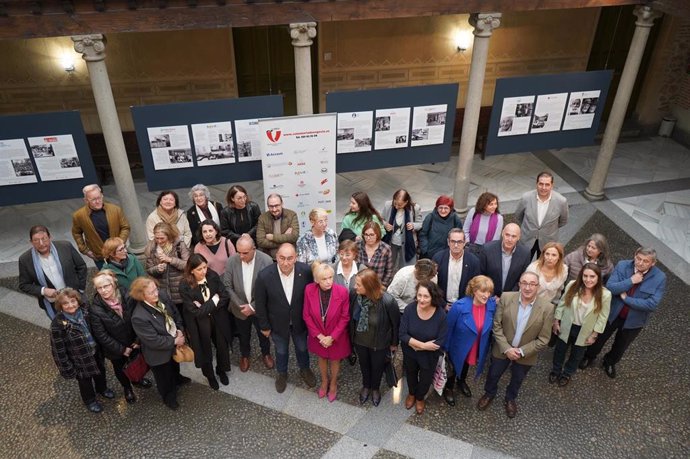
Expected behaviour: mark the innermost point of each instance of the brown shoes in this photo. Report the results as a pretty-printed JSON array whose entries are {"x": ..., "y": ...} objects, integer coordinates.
[
  {"x": 419, "y": 406},
  {"x": 281, "y": 382},
  {"x": 409, "y": 401},
  {"x": 244, "y": 364},
  {"x": 511, "y": 408},
  {"x": 484, "y": 402},
  {"x": 308, "y": 377},
  {"x": 268, "y": 361}
]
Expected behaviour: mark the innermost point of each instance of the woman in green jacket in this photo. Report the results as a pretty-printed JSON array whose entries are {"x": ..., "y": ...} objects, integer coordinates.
[{"x": 125, "y": 265}]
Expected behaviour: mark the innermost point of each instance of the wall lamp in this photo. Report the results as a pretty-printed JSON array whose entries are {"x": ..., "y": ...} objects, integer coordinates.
[
  {"x": 462, "y": 40},
  {"x": 67, "y": 63}
]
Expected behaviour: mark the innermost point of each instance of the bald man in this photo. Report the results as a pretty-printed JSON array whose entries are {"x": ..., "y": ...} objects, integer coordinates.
[{"x": 505, "y": 260}]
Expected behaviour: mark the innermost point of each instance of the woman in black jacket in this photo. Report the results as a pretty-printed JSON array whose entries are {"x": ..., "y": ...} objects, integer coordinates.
[
  {"x": 111, "y": 325},
  {"x": 205, "y": 307},
  {"x": 374, "y": 330},
  {"x": 240, "y": 216}
]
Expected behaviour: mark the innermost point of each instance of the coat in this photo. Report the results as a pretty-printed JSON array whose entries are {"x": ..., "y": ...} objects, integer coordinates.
[
  {"x": 337, "y": 320},
  {"x": 85, "y": 234},
  {"x": 264, "y": 226},
  {"x": 194, "y": 219},
  {"x": 74, "y": 271},
  {"x": 433, "y": 237},
  {"x": 643, "y": 302},
  {"x": 157, "y": 344},
  {"x": 230, "y": 220},
  {"x": 113, "y": 333},
  {"x": 73, "y": 355},
  {"x": 234, "y": 281},
  {"x": 592, "y": 323},
  {"x": 491, "y": 265},
  {"x": 470, "y": 268},
  {"x": 169, "y": 279},
  {"x": 132, "y": 271},
  {"x": 526, "y": 215},
  {"x": 273, "y": 311},
  {"x": 208, "y": 319},
  {"x": 182, "y": 226},
  {"x": 462, "y": 332},
  {"x": 537, "y": 332}
]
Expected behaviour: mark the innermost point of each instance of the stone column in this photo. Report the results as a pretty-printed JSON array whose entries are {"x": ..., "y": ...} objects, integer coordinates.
[
  {"x": 484, "y": 24},
  {"x": 302, "y": 34},
  {"x": 645, "y": 20},
  {"x": 92, "y": 49}
]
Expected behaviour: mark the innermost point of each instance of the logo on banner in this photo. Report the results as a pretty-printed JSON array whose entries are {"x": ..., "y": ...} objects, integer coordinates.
[
  {"x": 324, "y": 169},
  {"x": 273, "y": 135},
  {"x": 324, "y": 181},
  {"x": 277, "y": 187},
  {"x": 326, "y": 191}
]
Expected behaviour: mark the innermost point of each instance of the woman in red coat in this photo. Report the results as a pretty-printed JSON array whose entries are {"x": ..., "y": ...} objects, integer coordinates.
[{"x": 327, "y": 314}]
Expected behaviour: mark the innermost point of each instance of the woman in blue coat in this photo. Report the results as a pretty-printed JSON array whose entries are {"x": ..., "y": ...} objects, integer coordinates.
[{"x": 469, "y": 330}]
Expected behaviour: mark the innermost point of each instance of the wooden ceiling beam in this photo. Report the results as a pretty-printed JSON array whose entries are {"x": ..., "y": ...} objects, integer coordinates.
[{"x": 49, "y": 18}]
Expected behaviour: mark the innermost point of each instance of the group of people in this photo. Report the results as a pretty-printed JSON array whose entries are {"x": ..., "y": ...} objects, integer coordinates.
[{"x": 449, "y": 295}]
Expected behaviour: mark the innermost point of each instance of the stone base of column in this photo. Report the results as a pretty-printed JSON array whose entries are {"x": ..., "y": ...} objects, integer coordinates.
[{"x": 593, "y": 195}]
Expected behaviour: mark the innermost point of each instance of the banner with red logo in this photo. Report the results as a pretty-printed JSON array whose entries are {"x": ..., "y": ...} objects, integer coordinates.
[{"x": 298, "y": 163}]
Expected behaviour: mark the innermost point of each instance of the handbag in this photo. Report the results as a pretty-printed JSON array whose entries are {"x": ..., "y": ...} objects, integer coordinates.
[
  {"x": 440, "y": 375},
  {"x": 183, "y": 353},
  {"x": 391, "y": 373},
  {"x": 136, "y": 367}
]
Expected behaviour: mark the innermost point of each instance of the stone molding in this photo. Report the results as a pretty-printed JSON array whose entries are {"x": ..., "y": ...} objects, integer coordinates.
[{"x": 302, "y": 33}]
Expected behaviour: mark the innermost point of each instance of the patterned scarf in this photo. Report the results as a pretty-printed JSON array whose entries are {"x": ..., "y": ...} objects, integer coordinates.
[
  {"x": 170, "y": 219},
  {"x": 79, "y": 320},
  {"x": 365, "y": 305},
  {"x": 169, "y": 322}
]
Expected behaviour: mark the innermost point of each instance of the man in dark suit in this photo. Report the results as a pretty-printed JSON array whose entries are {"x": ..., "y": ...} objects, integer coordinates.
[
  {"x": 241, "y": 271},
  {"x": 279, "y": 299},
  {"x": 455, "y": 265},
  {"x": 522, "y": 328},
  {"x": 505, "y": 260},
  {"x": 48, "y": 267}
]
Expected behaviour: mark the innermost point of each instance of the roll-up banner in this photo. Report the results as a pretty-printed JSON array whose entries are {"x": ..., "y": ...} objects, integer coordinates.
[{"x": 299, "y": 163}]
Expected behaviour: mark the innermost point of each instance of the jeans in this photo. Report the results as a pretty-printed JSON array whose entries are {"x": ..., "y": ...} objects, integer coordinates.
[
  {"x": 576, "y": 353},
  {"x": 299, "y": 341},
  {"x": 624, "y": 337},
  {"x": 496, "y": 370}
]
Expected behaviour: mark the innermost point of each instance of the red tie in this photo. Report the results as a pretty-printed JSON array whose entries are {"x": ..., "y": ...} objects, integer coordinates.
[{"x": 624, "y": 312}]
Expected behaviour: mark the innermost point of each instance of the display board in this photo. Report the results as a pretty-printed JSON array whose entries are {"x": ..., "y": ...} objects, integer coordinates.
[
  {"x": 299, "y": 163},
  {"x": 43, "y": 157},
  {"x": 393, "y": 127},
  {"x": 547, "y": 111},
  {"x": 178, "y": 142}
]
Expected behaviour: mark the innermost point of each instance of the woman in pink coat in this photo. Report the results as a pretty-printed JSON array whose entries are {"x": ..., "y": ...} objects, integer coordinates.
[{"x": 327, "y": 314}]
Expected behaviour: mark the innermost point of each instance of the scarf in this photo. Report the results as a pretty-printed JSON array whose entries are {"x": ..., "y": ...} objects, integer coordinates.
[
  {"x": 210, "y": 208},
  {"x": 170, "y": 326},
  {"x": 169, "y": 219},
  {"x": 40, "y": 275},
  {"x": 122, "y": 265},
  {"x": 115, "y": 305},
  {"x": 79, "y": 320},
  {"x": 410, "y": 248},
  {"x": 474, "y": 227},
  {"x": 365, "y": 305}
]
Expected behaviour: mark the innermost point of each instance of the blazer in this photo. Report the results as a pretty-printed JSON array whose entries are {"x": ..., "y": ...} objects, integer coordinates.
[
  {"x": 207, "y": 320},
  {"x": 491, "y": 265},
  {"x": 643, "y": 302},
  {"x": 234, "y": 283},
  {"x": 156, "y": 343},
  {"x": 273, "y": 310},
  {"x": 462, "y": 332},
  {"x": 195, "y": 219},
  {"x": 112, "y": 332},
  {"x": 335, "y": 326},
  {"x": 592, "y": 323},
  {"x": 470, "y": 268},
  {"x": 264, "y": 226},
  {"x": 537, "y": 332},
  {"x": 74, "y": 271},
  {"x": 85, "y": 234},
  {"x": 526, "y": 215},
  {"x": 72, "y": 353}
]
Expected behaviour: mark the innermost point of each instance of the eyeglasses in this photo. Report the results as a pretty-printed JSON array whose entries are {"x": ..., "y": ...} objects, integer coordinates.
[
  {"x": 451, "y": 241},
  {"x": 121, "y": 248},
  {"x": 104, "y": 286},
  {"x": 369, "y": 235},
  {"x": 100, "y": 198},
  {"x": 273, "y": 206},
  {"x": 529, "y": 284}
]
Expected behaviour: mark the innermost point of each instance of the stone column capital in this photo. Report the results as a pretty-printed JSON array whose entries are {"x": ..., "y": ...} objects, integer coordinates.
[
  {"x": 645, "y": 16},
  {"x": 484, "y": 23},
  {"x": 91, "y": 47},
  {"x": 302, "y": 33}
]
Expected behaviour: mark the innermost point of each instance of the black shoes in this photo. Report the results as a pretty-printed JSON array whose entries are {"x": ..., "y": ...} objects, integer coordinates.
[
  {"x": 223, "y": 377},
  {"x": 145, "y": 383},
  {"x": 585, "y": 363},
  {"x": 352, "y": 359},
  {"x": 449, "y": 396},
  {"x": 281, "y": 382},
  {"x": 213, "y": 382},
  {"x": 129, "y": 396},
  {"x": 609, "y": 369},
  {"x": 563, "y": 381},
  {"x": 171, "y": 402},
  {"x": 363, "y": 395},
  {"x": 182, "y": 380},
  {"x": 94, "y": 407},
  {"x": 553, "y": 377},
  {"x": 375, "y": 397},
  {"x": 108, "y": 393},
  {"x": 465, "y": 389}
]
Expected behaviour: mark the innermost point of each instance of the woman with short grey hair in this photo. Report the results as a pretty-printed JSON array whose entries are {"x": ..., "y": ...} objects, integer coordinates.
[{"x": 203, "y": 208}]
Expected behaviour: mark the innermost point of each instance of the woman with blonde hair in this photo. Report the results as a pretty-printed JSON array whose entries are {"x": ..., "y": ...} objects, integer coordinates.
[
  {"x": 327, "y": 313},
  {"x": 166, "y": 256},
  {"x": 126, "y": 266},
  {"x": 551, "y": 270}
]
